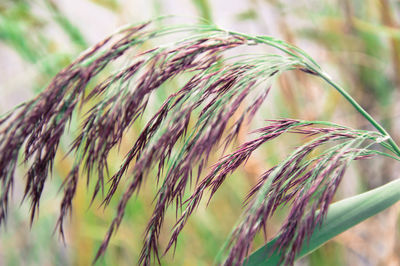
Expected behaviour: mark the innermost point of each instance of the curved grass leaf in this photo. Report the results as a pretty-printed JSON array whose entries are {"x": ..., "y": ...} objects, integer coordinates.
[{"x": 342, "y": 215}]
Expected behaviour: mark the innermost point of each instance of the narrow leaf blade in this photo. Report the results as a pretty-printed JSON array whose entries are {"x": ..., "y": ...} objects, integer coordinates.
[{"x": 342, "y": 215}]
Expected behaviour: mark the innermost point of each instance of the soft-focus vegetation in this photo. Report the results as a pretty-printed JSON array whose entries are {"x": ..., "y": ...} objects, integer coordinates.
[{"x": 357, "y": 42}]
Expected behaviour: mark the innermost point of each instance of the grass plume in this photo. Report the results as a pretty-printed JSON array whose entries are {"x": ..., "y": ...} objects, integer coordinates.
[{"x": 175, "y": 145}]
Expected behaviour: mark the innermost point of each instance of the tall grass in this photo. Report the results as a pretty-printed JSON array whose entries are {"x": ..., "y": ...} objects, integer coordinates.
[{"x": 222, "y": 93}]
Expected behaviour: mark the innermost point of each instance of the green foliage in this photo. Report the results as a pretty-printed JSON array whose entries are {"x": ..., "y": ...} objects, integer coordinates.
[{"x": 342, "y": 215}]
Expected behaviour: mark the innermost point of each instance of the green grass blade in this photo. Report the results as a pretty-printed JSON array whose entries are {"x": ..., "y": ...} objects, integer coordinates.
[
  {"x": 204, "y": 9},
  {"x": 342, "y": 215}
]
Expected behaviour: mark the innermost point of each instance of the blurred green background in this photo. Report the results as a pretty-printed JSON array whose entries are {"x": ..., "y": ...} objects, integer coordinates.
[{"x": 357, "y": 42}]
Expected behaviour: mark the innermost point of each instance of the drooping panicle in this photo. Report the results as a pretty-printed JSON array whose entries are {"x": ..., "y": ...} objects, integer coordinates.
[
  {"x": 40, "y": 123},
  {"x": 217, "y": 94},
  {"x": 306, "y": 184},
  {"x": 220, "y": 94}
]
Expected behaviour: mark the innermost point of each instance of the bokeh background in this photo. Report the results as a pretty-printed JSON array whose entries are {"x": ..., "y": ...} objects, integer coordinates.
[{"x": 356, "y": 41}]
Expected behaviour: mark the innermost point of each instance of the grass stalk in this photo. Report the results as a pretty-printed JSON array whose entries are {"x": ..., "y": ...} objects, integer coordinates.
[{"x": 359, "y": 108}]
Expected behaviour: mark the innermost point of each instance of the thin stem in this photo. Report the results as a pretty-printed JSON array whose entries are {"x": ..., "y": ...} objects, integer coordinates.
[
  {"x": 358, "y": 107},
  {"x": 315, "y": 67}
]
